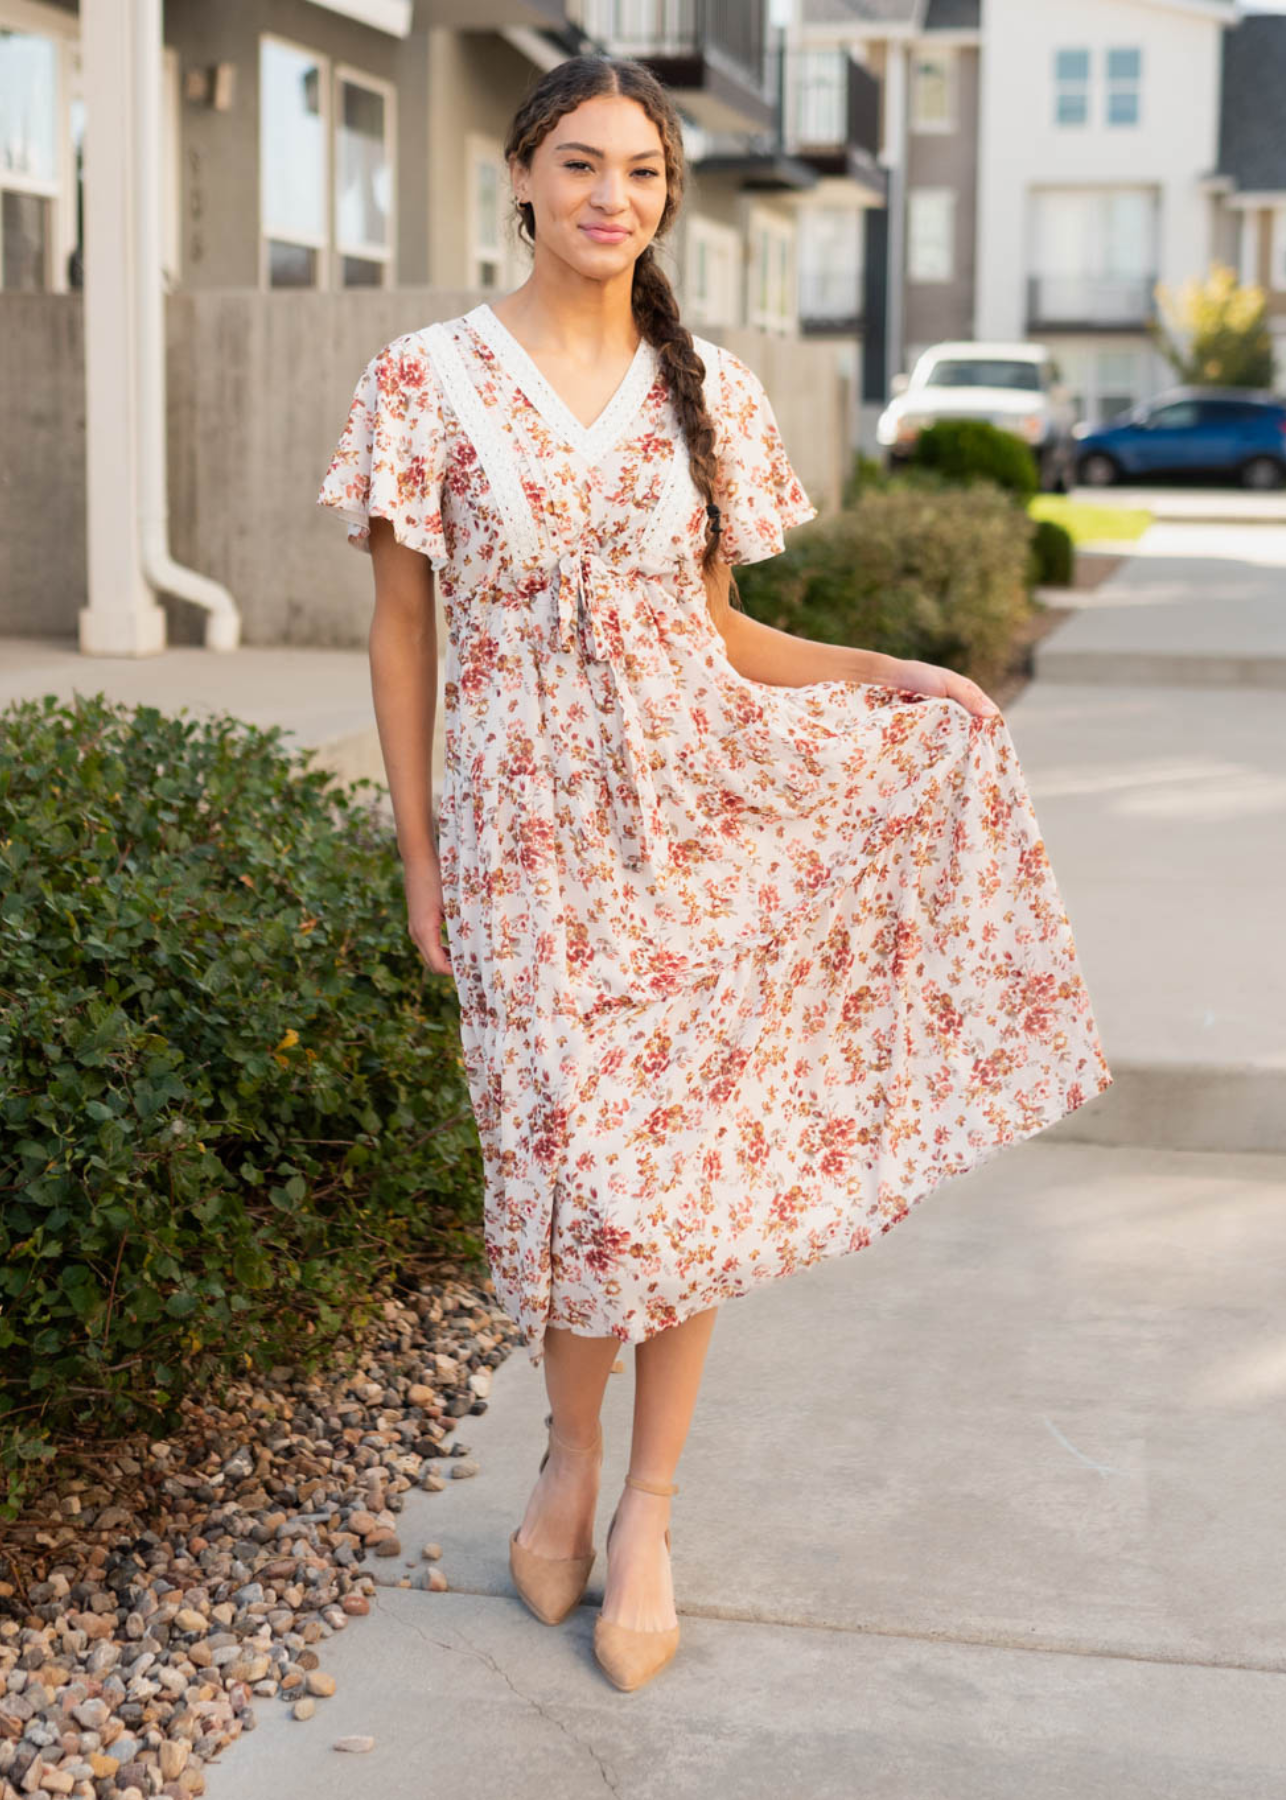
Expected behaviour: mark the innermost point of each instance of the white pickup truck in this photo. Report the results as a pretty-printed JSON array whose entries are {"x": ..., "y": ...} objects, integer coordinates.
[{"x": 1015, "y": 386}]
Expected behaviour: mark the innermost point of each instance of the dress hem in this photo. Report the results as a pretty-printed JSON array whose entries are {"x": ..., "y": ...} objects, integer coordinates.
[{"x": 983, "y": 1154}]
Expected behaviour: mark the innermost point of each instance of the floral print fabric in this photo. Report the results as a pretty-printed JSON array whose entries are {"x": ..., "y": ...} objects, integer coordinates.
[{"x": 745, "y": 971}]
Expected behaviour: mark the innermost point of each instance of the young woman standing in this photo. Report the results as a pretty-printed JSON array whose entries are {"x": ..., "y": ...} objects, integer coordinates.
[{"x": 755, "y": 938}]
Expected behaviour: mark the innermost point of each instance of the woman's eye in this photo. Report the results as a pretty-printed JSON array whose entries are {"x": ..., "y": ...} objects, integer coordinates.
[{"x": 585, "y": 165}]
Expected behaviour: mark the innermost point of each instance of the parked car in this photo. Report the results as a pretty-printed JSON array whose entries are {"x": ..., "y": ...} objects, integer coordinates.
[
  {"x": 1013, "y": 385},
  {"x": 1189, "y": 431}
]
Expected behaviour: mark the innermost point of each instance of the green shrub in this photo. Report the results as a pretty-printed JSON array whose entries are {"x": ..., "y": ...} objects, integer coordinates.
[
  {"x": 1053, "y": 554},
  {"x": 232, "y": 1099},
  {"x": 865, "y": 473},
  {"x": 968, "y": 449},
  {"x": 933, "y": 574}
]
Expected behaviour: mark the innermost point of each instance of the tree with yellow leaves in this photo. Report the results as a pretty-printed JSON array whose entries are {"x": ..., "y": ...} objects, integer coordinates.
[{"x": 1218, "y": 331}]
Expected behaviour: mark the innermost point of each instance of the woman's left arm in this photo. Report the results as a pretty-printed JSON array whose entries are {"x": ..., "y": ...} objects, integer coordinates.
[{"x": 762, "y": 653}]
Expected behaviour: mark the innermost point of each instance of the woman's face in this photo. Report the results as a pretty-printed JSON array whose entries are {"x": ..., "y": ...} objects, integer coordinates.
[{"x": 597, "y": 186}]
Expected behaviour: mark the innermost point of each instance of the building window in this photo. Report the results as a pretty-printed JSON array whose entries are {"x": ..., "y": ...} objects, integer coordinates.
[
  {"x": 771, "y": 261},
  {"x": 1071, "y": 87},
  {"x": 1119, "y": 382},
  {"x": 710, "y": 275},
  {"x": 322, "y": 229},
  {"x": 930, "y": 234},
  {"x": 932, "y": 90},
  {"x": 37, "y": 212},
  {"x": 1124, "y": 74},
  {"x": 1094, "y": 256},
  {"x": 293, "y": 126},
  {"x": 1104, "y": 383},
  {"x": 830, "y": 262},
  {"x": 492, "y": 220},
  {"x": 363, "y": 179}
]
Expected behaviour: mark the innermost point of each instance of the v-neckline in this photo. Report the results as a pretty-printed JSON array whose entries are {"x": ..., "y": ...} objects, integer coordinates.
[{"x": 591, "y": 440}]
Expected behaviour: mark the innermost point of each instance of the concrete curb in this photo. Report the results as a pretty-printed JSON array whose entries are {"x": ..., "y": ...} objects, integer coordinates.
[{"x": 1152, "y": 668}]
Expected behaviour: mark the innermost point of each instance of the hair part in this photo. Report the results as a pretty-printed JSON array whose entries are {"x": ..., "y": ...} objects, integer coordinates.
[{"x": 656, "y": 310}]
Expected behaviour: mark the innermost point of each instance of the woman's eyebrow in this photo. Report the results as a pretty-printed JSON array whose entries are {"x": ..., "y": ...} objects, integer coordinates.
[{"x": 593, "y": 152}]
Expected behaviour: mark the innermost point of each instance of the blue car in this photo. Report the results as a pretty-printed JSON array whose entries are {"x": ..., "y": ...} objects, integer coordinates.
[{"x": 1192, "y": 432}]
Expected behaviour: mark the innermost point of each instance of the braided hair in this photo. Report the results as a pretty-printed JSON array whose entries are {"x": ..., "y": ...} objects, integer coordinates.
[{"x": 656, "y": 311}]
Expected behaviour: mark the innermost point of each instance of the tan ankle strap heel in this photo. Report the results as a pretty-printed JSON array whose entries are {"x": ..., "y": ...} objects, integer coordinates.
[{"x": 628, "y": 1657}]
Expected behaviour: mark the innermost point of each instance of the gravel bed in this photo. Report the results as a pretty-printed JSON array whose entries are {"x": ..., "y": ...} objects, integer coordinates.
[{"x": 147, "y": 1604}]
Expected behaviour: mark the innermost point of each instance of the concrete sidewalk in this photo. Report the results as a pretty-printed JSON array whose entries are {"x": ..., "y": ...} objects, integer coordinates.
[
  {"x": 1194, "y": 605},
  {"x": 988, "y": 1511},
  {"x": 1154, "y": 744}
]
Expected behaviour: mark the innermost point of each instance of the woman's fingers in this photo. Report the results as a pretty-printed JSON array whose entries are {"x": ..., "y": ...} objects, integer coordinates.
[
  {"x": 971, "y": 696},
  {"x": 426, "y": 930}
]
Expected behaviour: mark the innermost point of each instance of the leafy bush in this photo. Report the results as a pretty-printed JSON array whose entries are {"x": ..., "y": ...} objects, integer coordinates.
[
  {"x": 968, "y": 449},
  {"x": 232, "y": 1099},
  {"x": 1053, "y": 554},
  {"x": 865, "y": 472},
  {"x": 932, "y": 573}
]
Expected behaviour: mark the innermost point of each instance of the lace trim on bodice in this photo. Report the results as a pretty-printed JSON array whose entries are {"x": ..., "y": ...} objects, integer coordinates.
[{"x": 500, "y": 458}]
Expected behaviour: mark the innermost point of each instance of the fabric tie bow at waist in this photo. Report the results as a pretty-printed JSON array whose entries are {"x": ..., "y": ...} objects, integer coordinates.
[
  {"x": 587, "y": 614},
  {"x": 585, "y": 582}
]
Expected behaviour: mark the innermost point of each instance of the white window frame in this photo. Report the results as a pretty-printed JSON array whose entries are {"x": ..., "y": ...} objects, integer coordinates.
[
  {"x": 1118, "y": 84},
  {"x": 330, "y": 253},
  {"x": 384, "y": 254},
  {"x": 303, "y": 240},
  {"x": 950, "y": 63},
  {"x": 921, "y": 195},
  {"x": 479, "y": 149},
  {"x": 1064, "y": 85},
  {"x": 768, "y": 235},
  {"x": 1277, "y": 266},
  {"x": 853, "y": 221},
  {"x": 64, "y": 29},
  {"x": 721, "y": 245}
]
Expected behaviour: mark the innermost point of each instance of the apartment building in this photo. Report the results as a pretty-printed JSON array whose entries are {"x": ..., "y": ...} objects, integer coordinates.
[
  {"x": 924, "y": 57},
  {"x": 1099, "y": 132},
  {"x": 326, "y": 174},
  {"x": 1049, "y": 164},
  {"x": 1250, "y": 180}
]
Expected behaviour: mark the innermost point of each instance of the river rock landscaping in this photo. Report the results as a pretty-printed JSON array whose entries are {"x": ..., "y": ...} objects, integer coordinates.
[{"x": 158, "y": 1589}]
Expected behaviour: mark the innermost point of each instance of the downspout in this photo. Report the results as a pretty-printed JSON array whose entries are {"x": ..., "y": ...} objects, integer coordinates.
[{"x": 223, "y": 621}]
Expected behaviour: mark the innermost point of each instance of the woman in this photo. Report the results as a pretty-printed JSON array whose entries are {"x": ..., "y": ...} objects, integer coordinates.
[{"x": 755, "y": 938}]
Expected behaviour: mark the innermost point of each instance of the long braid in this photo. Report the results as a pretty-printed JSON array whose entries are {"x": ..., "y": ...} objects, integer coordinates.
[{"x": 656, "y": 312}]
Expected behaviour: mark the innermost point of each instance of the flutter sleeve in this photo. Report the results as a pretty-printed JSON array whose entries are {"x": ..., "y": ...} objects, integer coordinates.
[
  {"x": 758, "y": 493},
  {"x": 390, "y": 461}
]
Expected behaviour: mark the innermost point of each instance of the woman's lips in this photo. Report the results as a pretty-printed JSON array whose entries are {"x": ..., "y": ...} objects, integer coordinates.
[{"x": 606, "y": 234}]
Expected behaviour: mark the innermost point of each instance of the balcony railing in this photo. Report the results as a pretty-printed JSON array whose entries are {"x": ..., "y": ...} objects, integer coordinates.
[
  {"x": 1095, "y": 302},
  {"x": 832, "y": 103},
  {"x": 732, "y": 31}
]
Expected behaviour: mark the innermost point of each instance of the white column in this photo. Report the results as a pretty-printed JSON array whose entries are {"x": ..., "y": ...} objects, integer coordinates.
[{"x": 122, "y": 617}]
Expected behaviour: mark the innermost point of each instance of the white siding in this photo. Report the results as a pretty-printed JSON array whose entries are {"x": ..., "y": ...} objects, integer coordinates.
[{"x": 1023, "y": 149}]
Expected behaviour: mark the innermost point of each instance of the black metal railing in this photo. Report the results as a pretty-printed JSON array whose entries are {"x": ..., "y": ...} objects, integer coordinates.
[
  {"x": 828, "y": 101},
  {"x": 732, "y": 31}
]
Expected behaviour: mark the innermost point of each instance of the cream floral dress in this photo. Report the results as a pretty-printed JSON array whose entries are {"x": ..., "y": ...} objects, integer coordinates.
[{"x": 744, "y": 971}]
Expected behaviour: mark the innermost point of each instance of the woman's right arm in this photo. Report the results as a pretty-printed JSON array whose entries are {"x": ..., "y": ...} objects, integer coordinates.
[{"x": 403, "y": 646}]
